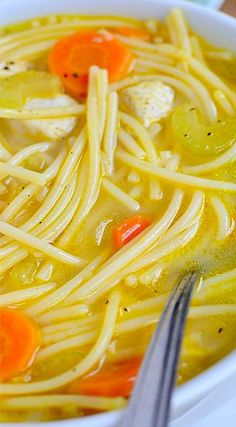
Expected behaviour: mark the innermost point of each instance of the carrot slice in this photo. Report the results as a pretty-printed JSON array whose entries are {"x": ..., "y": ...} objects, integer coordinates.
[
  {"x": 112, "y": 381},
  {"x": 72, "y": 57},
  {"x": 136, "y": 33},
  {"x": 19, "y": 341},
  {"x": 128, "y": 229}
]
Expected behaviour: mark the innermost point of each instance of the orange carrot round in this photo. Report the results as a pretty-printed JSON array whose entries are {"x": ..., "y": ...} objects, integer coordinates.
[
  {"x": 19, "y": 342},
  {"x": 112, "y": 381},
  {"x": 128, "y": 229},
  {"x": 72, "y": 57},
  {"x": 136, "y": 33}
]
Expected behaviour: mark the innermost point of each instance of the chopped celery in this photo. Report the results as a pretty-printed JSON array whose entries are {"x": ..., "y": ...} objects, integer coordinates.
[
  {"x": 23, "y": 273},
  {"x": 226, "y": 69},
  {"x": 201, "y": 139},
  {"x": 16, "y": 90}
]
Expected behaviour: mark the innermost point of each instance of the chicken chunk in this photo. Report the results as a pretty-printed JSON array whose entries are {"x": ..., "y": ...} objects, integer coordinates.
[
  {"x": 9, "y": 68},
  {"x": 52, "y": 129},
  {"x": 149, "y": 101}
]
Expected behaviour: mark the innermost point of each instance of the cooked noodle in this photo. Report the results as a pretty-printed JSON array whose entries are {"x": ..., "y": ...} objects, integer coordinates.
[{"x": 106, "y": 197}]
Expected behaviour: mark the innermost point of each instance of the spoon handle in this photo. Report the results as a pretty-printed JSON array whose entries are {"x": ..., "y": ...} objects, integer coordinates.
[{"x": 150, "y": 402}]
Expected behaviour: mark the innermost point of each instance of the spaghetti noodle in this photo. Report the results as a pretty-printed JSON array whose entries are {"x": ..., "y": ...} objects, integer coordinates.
[{"x": 120, "y": 176}]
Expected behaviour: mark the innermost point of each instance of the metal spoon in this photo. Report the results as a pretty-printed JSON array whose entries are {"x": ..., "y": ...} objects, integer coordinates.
[{"x": 150, "y": 402}]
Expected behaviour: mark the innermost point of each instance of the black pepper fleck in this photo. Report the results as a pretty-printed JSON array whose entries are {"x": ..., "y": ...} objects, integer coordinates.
[
  {"x": 126, "y": 309},
  {"x": 185, "y": 135},
  {"x": 6, "y": 68},
  {"x": 220, "y": 330},
  {"x": 107, "y": 301},
  {"x": 192, "y": 109},
  {"x": 209, "y": 134},
  {"x": 75, "y": 75}
]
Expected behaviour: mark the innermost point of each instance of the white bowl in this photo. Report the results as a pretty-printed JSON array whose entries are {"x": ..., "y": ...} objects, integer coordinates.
[
  {"x": 217, "y": 28},
  {"x": 216, "y": 4}
]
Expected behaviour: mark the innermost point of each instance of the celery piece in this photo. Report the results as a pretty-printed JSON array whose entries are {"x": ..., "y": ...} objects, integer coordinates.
[
  {"x": 17, "y": 89},
  {"x": 201, "y": 139}
]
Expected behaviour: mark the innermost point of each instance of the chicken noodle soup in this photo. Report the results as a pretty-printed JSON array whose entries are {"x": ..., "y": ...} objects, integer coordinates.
[{"x": 117, "y": 167}]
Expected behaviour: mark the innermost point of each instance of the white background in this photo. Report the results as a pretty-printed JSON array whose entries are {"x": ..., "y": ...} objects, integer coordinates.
[{"x": 218, "y": 409}]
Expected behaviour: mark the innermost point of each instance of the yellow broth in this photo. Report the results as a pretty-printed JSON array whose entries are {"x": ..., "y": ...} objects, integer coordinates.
[{"x": 208, "y": 337}]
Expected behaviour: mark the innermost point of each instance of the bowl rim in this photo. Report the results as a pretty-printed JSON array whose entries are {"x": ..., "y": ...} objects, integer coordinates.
[
  {"x": 183, "y": 4},
  {"x": 223, "y": 368}
]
